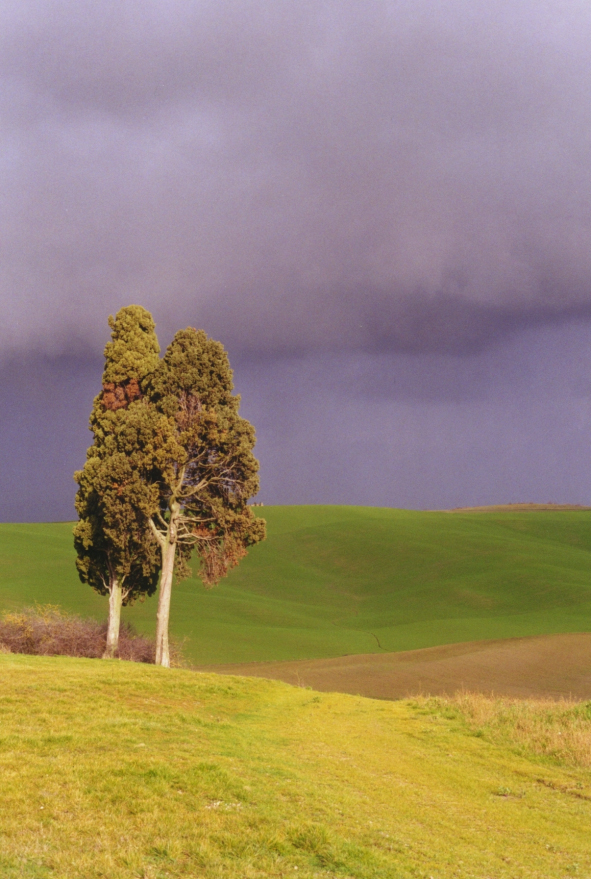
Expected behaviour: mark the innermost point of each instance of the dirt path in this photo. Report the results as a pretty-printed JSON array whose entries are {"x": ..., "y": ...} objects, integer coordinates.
[{"x": 550, "y": 665}]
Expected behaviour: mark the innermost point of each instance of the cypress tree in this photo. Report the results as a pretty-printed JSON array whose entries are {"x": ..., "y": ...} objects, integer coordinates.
[
  {"x": 116, "y": 552},
  {"x": 207, "y": 469}
]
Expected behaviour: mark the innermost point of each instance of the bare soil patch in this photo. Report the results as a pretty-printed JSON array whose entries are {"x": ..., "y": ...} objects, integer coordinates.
[{"x": 547, "y": 666}]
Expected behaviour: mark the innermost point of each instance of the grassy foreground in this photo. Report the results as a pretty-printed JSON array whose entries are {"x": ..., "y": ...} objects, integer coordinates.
[
  {"x": 331, "y": 581},
  {"x": 117, "y": 770}
]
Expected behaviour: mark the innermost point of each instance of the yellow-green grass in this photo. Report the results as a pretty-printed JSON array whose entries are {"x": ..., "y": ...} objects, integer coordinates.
[
  {"x": 331, "y": 581},
  {"x": 121, "y": 771}
]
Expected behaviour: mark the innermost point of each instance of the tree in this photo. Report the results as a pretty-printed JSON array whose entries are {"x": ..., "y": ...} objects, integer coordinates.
[
  {"x": 207, "y": 470},
  {"x": 116, "y": 552}
]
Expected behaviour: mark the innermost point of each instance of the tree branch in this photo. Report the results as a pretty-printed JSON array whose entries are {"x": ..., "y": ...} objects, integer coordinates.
[{"x": 157, "y": 534}]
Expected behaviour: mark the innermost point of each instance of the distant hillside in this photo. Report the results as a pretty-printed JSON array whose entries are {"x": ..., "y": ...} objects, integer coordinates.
[
  {"x": 336, "y": 580},
  {"x": 519, "y": 508}
]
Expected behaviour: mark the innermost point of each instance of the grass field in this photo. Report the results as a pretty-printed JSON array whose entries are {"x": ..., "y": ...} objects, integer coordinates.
[
  {"x": 331, "y": 581},
  {"x": 121, "y": 771}
]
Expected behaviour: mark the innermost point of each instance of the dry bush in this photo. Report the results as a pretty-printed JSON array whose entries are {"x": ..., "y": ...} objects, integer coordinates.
[
  {"x": 561, "y": 730},
  {"x": 50, "y": 631}
]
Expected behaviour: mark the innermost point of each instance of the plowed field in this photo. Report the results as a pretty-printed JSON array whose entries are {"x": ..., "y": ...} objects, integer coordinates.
[{"x": 550, "y": 666}]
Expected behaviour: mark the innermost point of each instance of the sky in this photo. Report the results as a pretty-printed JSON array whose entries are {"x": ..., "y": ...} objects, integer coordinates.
[{"x": 381, "y": 208}]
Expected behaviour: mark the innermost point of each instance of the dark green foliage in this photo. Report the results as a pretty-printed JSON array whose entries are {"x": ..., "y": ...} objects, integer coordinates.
[
  {"x": 170, "y": 471},
  {"x": 197, "y": 366},
  {"x": 113, "y": 503},
  {"x": 115, "y": 498},
  {"x": 213, "y": 472}
]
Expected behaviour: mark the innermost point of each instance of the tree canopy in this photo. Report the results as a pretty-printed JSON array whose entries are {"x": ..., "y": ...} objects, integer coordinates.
[
  {"x": 209, "y": 473},
  {"x": 116, "y": 553},
  {"x": 170, "y": 471}
]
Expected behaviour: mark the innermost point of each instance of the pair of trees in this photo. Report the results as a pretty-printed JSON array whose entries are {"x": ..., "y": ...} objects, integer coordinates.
[{"x": 169, "y": 473}]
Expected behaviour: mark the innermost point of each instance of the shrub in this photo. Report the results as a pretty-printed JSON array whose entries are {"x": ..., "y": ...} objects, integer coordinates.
[{"x": 50, "y": 631}]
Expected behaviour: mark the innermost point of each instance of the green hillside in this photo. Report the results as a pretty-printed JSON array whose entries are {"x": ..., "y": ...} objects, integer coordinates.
[
  {"x": 123, "y": 771},
  {"x": 339, "y": 580}
]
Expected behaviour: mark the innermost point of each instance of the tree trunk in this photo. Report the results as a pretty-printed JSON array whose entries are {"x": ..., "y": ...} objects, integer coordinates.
[
  {"x": 163, "y": 615},
  {"x": 115, "y": 602}
]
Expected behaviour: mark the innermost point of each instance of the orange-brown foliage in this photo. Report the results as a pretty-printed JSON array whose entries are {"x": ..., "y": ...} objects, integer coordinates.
[{"x": 120, "y": 396}]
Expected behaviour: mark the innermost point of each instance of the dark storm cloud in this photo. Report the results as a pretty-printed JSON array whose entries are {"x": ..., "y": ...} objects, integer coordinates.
[
  {"x": 295, "y": 175},
  {"x": 511, "y": 423}
]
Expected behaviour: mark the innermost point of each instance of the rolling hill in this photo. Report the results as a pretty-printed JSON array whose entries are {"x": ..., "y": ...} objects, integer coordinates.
[{"x": 331, "y": 581}]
